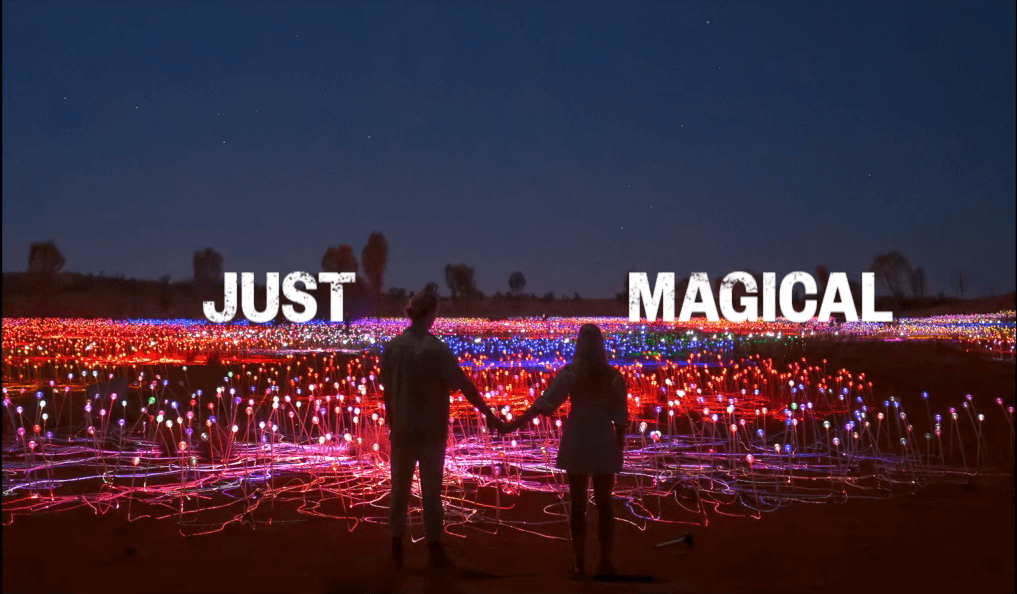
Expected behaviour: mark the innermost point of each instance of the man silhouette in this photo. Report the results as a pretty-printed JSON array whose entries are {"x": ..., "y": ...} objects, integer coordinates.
[{"x": 418, "y": 371}]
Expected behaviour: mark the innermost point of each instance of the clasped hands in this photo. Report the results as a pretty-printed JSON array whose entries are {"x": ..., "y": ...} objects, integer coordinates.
[
  {"x": 498, "y": 425},
  {"x": 502, "y": 427}
]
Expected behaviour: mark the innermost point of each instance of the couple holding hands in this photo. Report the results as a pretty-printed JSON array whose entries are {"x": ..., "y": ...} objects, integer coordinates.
[{"x": 418, "y": 372}]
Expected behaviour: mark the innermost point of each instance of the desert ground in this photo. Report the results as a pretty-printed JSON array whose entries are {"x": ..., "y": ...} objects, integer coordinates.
[{"x": 951, "y": 535}]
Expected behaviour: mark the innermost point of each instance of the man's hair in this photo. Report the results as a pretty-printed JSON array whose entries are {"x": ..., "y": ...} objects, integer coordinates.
[{"x": 421, "y": 305}]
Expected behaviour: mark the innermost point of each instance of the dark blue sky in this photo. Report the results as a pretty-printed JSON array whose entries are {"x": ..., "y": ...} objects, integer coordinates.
[{"x": 570, "y": 141}]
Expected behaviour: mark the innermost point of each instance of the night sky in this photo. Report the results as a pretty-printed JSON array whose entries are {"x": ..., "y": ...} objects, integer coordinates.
[{"x": 573, "y": 142}]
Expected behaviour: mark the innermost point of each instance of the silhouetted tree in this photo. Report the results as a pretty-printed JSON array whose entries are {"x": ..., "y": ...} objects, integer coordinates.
[
  {"x": 451, "y": 283},
  {"x": 208, "y": 275},
  {"x": 623, "y": 297},
  {"x": 918, "y": 282},
  {"x": 516, "y": 283},
  {"x": 680, "y": 288},
  {"x": 432, "y": 287},
  {"x": 207, "y": 265},
  {"x": 822, "y": 278},
  {"x": 894, "y": 270},
  {"x": 374, "y": 257},
  {"x": 45, "y": 258},
  {"x": 340, "y": 258},
  {"x": 44, "y": 261},
  {"x": 460, "y": 281},
  {"x": 397, "y": 293},
  {"x": 359, "y": 298},
  {"x": 164, "y": 293},
  {"x": 738, "y": 291}
]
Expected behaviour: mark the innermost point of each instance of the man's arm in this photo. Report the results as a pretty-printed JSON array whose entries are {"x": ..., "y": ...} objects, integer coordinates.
[
  {"x": 385, "y": 377},
  {"x": 456, "y": 379},
  {"x": 473, "y": 396},
  {"x": 549, "y": 401}
]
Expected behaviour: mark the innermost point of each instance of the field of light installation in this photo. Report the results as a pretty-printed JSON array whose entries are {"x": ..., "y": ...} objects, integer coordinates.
[{"x": 205, "y": 426}]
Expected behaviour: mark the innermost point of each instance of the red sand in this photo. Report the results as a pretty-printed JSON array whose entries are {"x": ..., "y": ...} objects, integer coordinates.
[
  {"x": 942, "y": 540},
  {"x": 945, "y": 538}
]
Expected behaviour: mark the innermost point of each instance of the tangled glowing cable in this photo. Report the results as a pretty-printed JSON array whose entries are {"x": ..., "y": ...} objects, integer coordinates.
[{"x": 208, "y": 424}]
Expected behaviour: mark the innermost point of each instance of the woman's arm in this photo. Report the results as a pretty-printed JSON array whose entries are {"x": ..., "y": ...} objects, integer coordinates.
[
  {"x": 548, "y": 402},
  {"x": 619, "y": 409}
]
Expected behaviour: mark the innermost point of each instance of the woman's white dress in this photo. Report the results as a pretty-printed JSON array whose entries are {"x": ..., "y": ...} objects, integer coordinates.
[{"x": 589, "y": 441}]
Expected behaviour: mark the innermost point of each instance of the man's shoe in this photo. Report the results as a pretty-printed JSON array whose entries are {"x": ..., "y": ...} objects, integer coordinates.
[
  {"x": 436, "y": 556},
  {"x": 577, "y": 571},
  {"x": 605, "y": 569},
  {"x": 397, "y": 553}
]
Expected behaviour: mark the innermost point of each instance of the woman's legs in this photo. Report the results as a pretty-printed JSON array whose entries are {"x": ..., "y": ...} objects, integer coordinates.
[
  {"x": 578, "y": 493},
  {"x": 602, "y": 488}
]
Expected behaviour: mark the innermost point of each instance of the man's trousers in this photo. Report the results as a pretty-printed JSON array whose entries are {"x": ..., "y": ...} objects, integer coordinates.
[{"x": 404, "y": 457}]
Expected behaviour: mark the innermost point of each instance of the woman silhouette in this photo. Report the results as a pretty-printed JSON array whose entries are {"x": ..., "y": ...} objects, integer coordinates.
[{"x": 592, "y": 438}]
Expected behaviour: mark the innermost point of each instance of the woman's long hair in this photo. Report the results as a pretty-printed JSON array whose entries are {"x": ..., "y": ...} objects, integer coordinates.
[{"x": 590, "y": 360}]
